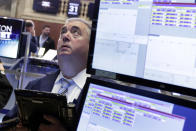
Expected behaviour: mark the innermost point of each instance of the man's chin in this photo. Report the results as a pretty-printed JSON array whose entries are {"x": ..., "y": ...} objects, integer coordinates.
[{"x": 64, "y": 53}]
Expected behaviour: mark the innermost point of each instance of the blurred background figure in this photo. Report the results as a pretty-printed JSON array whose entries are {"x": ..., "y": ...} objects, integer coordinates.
[
  {"x": 29, "y": 27},
  {"x": 45, "y": 40}
]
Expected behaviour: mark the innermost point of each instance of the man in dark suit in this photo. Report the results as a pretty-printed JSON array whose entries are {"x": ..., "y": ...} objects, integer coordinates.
[
  {"x": 29, "y": 27},
  {"x": 72, "y": 52},
  {"x": 45, "y": 40}
]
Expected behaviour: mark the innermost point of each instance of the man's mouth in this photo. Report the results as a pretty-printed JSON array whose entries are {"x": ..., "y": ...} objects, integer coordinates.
[{"x": 65, "y": 47}]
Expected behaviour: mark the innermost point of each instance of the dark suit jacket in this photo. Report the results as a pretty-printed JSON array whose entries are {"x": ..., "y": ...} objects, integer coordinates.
[
  {"x": 48, "y": 44},
  {"x": 44, "y": 84},
  {"x": 33, "y": 45}
]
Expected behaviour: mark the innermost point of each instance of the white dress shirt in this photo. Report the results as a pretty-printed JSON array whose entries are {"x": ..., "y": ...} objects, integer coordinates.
[
  {"x": 42, "y": 40},
  {"x": 74, "y": 89}
]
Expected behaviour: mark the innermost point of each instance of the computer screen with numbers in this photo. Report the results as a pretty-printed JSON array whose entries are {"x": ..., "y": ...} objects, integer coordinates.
[
  {"x": 146, "y": 41},
  {"x": 112, "y": 107}
]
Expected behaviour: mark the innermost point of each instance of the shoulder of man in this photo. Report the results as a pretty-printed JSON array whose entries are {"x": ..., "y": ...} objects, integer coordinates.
[
  {"x": 51, "y": 43},
  {"x": 50, "y": 39},
  {"x": 45, "y": 83}
]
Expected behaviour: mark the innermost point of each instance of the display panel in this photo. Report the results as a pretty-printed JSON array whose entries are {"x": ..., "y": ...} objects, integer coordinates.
[
  {"x": 146, "y": 41},
  {"x": 10, "y": 35},
  {"x": 46, "y": 6},
  {"x": 113, "y": 107},
  {"x": 73, "y": 9}
]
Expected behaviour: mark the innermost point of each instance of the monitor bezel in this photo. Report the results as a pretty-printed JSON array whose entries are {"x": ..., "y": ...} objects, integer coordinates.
[
  {"x": 20, "y": 38},
  {"x": 126, "y": 78}
]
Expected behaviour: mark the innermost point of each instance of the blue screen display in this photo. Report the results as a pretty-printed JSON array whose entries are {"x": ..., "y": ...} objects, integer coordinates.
[
  {"x": 154, "y": 39},
  {"x": 110, "y": 109},
  {"x": 10, "y": 32}
]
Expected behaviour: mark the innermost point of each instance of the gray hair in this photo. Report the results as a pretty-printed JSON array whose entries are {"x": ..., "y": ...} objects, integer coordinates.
[{"x": 80, "y": 20}]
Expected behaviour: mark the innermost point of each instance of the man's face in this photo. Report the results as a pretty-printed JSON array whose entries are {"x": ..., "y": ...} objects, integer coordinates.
[
  {"x": 29, "y": 29},
  {"x": 46, "y": 31},
  {"x": 74, "y": 40}
]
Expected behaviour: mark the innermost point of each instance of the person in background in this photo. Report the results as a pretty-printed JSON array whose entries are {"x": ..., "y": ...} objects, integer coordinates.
[
  {"x": 29, "y": 27},
  {"x": 72, "y": 53},
  {"x": 45, "y": 40}
]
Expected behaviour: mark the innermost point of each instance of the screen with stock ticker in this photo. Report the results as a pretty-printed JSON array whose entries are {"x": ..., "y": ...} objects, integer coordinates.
[{"x": 152, "y": 40}]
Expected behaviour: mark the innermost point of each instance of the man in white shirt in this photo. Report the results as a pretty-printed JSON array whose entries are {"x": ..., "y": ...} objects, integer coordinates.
[
  {"x": 45, "y": 40},
  {"x": 72, "y": 53}
]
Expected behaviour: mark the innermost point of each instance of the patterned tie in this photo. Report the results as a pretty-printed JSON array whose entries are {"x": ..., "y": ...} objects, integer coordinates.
[{"x": 64, "y": 86}]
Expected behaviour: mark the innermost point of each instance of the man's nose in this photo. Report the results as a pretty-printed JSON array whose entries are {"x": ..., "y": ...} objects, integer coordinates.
[
  {"x": 65, "y": 39},
  {"x": 67, "y": 35}
]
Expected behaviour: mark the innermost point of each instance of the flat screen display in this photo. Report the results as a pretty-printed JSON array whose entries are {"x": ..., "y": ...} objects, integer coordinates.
[
  {"x": 116, "y": 108},
  {"x": 46, "y": 6},
  {"x": 10, "y": 34},
  {"x": 146, "y": 39}
]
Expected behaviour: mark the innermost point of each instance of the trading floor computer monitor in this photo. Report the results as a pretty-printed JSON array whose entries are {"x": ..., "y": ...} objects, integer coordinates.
[
  {"x": 10, "y": 35},
  {"x": 151, "y": 42},
  {"x": 112, "y": 107}
]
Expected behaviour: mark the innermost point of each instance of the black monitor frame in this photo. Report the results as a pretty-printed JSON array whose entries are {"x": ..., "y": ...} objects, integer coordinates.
[
  {"x": 126, "y": 78},
  {"x": 20, "y": 38}
]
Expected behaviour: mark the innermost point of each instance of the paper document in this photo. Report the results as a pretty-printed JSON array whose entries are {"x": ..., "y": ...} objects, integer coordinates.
[
  {"x": 50, "y": 54},
  {"x": 41, "y": 51}
]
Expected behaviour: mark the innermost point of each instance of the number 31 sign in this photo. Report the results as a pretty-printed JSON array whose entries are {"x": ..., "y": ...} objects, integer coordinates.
[{"x": 73, "y": 8}]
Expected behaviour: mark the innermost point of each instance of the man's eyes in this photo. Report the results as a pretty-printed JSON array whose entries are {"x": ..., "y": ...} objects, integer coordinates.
[
  {"x": 63, "y": 30},
  {"x": 75, "y": 31}
]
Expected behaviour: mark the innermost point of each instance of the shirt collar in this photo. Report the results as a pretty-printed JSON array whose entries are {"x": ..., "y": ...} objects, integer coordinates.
[
  {"x": 42, "y": 37},
  {"x": 79, "y": 79}
]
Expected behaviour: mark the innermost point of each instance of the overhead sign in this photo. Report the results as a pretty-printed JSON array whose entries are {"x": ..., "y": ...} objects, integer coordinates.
[
  {"x": 73, "y": 9},
  {"x": 46, "y": 6}
]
